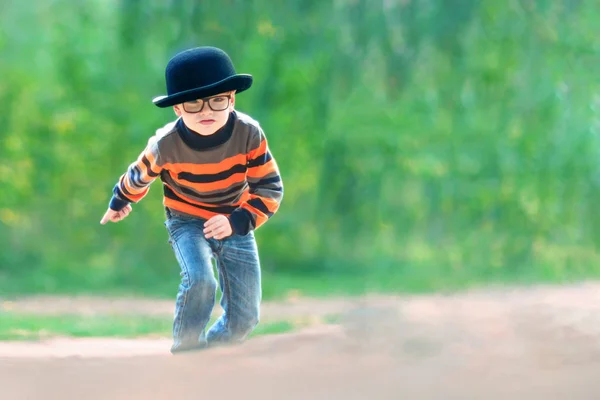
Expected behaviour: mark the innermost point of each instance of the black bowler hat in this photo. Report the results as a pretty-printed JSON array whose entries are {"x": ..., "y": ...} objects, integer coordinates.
[{"x": 200, "y": 72}]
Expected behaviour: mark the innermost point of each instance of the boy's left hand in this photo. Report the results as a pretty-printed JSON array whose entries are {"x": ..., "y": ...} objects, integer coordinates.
[{"x": 217, "y": 227}]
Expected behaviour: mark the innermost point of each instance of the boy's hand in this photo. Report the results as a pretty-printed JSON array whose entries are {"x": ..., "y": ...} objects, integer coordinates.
[
  {"x": 115, "y": 216},
  {"x": 217, "y": 227}
]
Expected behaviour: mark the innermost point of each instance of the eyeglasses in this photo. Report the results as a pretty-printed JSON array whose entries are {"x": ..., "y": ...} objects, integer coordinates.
[{"x": 216, "y": 103}]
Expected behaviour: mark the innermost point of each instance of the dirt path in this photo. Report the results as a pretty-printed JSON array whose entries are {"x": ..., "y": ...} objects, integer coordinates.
[
  {"x": 526, "y": 343},
  {"x": 85, "y": 305},
  {"x": 570, "y": 296}
]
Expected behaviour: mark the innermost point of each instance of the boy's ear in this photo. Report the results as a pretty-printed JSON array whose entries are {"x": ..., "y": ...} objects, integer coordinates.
[{"x": 177, "y": 110}]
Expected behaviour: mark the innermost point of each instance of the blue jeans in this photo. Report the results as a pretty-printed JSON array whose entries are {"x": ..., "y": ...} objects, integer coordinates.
[{"x": 238, "y": 268}]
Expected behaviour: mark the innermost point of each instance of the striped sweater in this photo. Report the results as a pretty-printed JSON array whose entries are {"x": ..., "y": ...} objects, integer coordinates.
[{"x": 231, "y": 172}]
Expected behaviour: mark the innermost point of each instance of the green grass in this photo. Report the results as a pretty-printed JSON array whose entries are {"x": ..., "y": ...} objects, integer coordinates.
[
  {"x": 274, "y": 328},
  {"x": 277, "y": 286},
  {"x": 25, "y": 326},
  {"x": 15, "y": 326}
]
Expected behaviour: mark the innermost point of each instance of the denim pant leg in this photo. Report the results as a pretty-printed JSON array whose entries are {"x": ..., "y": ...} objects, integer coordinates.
[
  {"x": 240, "y": 280},
  {"x": 197, "y": 290}
]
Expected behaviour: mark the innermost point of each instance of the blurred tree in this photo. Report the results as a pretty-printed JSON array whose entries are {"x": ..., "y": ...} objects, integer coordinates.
[{"x": 423, "y": 144}]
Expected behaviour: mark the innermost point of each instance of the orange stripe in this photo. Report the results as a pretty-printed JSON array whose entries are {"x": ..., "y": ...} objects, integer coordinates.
[
  {"x": 244, "y": 197},
  {"x": 271, "y": 204},
  {"x": 207, "y": 168},
  {"x": 189, "y": 199},
  {"x": 144, "y": 177},
  {"x": 152, "y": 160},
  {"x": 262, "y": 170},
  {"x": 186, "y": 208},
  {"x": 212, "y": 186},
  {"x": 135, "y": 195},
  {"x": 252, "y": 209},
  {"x": 260, "y": 217},
  {"x": 259, "y": 151},
  {"x": 129, "y": 188}
]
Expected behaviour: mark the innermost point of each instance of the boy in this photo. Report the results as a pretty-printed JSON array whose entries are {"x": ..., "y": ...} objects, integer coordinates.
[{"x": 220, "y": 183}]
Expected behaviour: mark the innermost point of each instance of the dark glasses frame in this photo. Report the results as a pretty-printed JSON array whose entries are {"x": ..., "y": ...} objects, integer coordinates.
[{"x": 206, "y": 100}]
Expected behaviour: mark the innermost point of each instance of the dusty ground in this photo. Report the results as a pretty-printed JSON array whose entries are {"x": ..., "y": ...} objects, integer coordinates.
[{"x": 527, "y": 343}]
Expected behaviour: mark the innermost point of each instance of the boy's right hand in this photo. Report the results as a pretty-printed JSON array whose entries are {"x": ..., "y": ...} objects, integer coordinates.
[{"x": 116, "y": 216}]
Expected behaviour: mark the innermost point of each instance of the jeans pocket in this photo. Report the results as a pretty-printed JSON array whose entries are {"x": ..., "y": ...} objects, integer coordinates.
[
  {"x": 173, "y": 225},
  {"x": 242, "y": 243},
  {"x": 175, "y": 221},
  {"x": 178, "y": 225}
]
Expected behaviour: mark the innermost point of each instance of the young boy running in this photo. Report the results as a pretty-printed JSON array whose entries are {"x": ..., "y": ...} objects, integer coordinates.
[{"x": 220, "y": 183}]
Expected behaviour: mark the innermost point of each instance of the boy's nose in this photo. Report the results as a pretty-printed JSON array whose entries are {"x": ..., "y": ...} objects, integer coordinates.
[{"x": 205, "y": 110}]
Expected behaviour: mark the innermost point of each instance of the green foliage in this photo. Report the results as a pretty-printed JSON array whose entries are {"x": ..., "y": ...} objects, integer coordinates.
[{"x": 423, "y": 144}]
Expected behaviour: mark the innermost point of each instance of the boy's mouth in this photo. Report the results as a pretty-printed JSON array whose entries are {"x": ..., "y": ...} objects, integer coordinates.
[{"x": 207, "y": 121}]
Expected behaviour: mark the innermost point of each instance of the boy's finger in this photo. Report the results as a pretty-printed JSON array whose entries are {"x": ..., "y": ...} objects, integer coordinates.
[
  {"x": 223, "y": 233},
  {"x": 211, "y": 224},
  {"x": 214, "y": 231},
  {"x": 210, "y": 231},
  {"x": 211, "y": 221},
  {"x": 214, "y": 227},
  {"x": 119, "y": 215},
  {"x": 105, "y": 218},
  {"x": 218, "y": 231}
]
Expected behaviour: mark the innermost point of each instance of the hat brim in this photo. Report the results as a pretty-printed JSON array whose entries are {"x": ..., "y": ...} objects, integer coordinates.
[{"x": 239, "y": 83}]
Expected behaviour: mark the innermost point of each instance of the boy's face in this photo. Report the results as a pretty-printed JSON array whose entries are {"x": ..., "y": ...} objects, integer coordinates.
[{"x": 208, "y": 115}]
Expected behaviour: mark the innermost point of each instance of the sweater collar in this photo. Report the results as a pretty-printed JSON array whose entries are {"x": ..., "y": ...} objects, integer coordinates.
[{"x": 200, "y": 142}]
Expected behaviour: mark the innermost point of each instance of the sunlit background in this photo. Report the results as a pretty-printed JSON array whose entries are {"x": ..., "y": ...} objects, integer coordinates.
[{"x": 424, "y": 145}]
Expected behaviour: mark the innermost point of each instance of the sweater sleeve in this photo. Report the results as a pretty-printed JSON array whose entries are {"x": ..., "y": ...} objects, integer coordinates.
[
  {"x": 134, "y": 184},
  {"x": 266, "y": 188}
]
